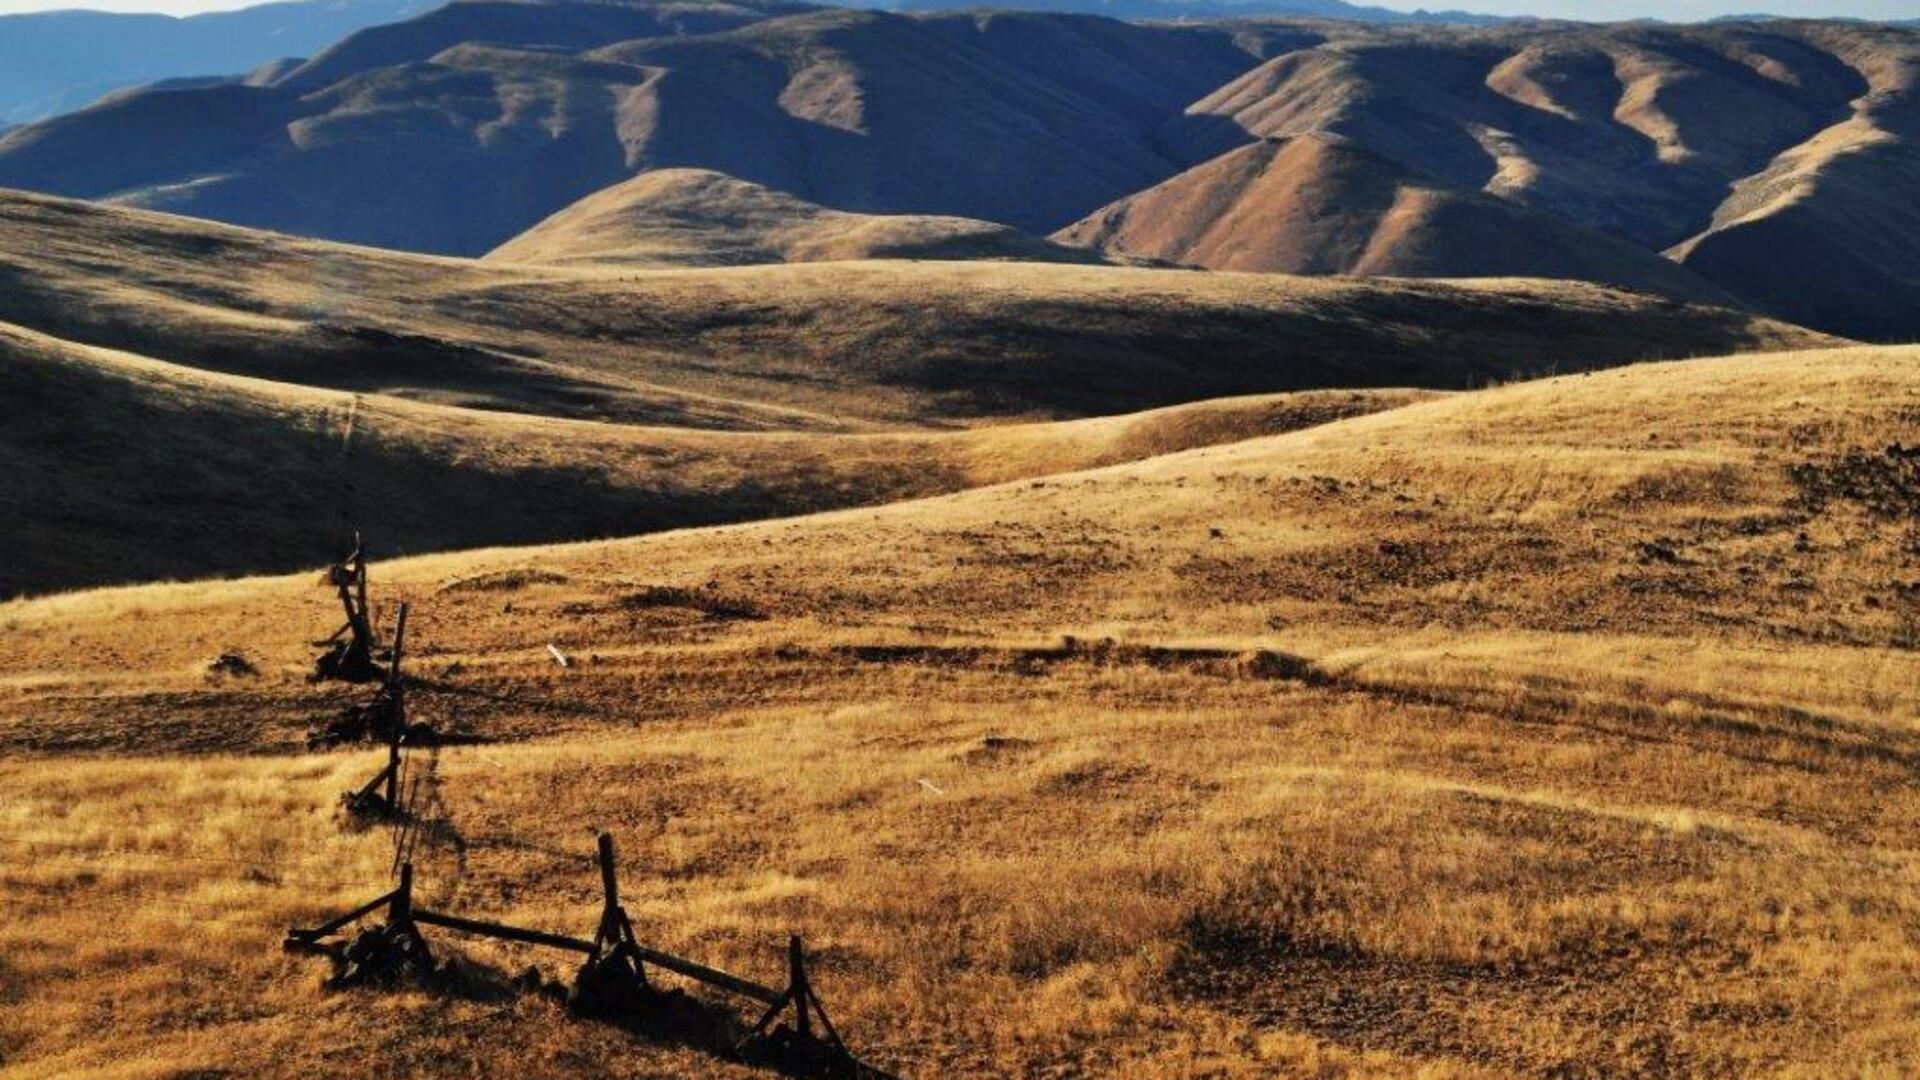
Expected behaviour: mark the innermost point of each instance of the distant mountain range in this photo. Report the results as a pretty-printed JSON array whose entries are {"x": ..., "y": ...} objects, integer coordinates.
[
  {"x": 1770, "y": 164},
  {"x": 57, "y": 61}
]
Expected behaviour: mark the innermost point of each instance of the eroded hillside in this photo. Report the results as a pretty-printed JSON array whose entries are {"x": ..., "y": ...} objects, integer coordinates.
[{"x": 1315, "y": 204}]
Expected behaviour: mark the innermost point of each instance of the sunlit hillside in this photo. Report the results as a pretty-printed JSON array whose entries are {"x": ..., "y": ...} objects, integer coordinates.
[{"x": 1560, "y": 728}]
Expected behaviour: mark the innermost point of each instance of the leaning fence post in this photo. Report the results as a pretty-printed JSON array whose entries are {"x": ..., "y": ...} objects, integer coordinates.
[{"x": 399, "y": 639}]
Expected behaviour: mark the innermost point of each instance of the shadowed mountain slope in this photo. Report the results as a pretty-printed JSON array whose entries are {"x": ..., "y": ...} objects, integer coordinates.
[
  {"x": 1206, "y": 9},
  {"x": 1314, "y": 204},
  {"x": 551, "y": 25},
  {"x": 694, "y": 217},
  {"x": 1842, "y": 203},
  {"x": 833, "y": 346}
]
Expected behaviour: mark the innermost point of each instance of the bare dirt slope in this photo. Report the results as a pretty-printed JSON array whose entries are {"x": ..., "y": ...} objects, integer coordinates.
[
  {"x": 697, "y": 217},
  {"x": 1560, "y": 728},
  {"x": 1317, "y": 204},
  {"x": 840, "y": 346},
  {"x": 121, "y": 468}
]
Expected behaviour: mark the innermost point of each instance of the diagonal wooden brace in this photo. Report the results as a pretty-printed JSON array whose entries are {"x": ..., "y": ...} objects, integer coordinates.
[
  {"x": 309, "y": 937},
  {"x": 399, "y": 934},
  {"x": 805, "y": 1003}
]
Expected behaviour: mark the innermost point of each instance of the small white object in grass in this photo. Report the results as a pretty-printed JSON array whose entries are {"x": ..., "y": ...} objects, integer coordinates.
[
  {"x": 558, "y": 656},
  {"x": 931, "y": 786}
]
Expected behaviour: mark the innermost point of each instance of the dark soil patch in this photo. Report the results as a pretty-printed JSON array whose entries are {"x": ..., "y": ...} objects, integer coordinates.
[{"x": 1886, "y": 482}]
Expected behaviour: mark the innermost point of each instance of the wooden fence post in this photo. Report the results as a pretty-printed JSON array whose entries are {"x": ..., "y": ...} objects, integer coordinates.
[{"x": 401, "y": 909}]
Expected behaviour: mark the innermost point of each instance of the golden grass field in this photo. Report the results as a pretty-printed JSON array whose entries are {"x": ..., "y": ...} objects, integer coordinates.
[{"x": 1567, "y": 728}]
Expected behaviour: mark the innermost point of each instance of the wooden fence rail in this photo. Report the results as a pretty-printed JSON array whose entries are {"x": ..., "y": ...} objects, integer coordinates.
[{"x": 612, "y": 980}]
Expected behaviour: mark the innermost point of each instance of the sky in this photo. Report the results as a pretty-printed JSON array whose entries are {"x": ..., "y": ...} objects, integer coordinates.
[{"x": 1676, "y": 10}]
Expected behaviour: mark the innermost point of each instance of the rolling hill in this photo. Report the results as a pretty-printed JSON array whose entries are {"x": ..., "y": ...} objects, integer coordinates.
[
  {"x": 827, "y": 346},
  {"x": 1311, "y": 204},
  {"x": 168, "y": 373},
  {"x": 1555, "y": 728},
  {"x": 122, "y": 468},
  {"x": 694, "y": 217}
]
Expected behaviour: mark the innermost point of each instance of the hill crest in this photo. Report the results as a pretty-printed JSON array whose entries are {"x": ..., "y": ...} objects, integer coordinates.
[{"x": 698, "y": 217}]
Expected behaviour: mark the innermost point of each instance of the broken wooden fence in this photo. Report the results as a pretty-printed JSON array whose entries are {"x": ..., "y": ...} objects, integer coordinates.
[
  {"x": 612, "y": 982},
  {"x": 384, "y": 716},
  {"x": 388, "y": 714}
]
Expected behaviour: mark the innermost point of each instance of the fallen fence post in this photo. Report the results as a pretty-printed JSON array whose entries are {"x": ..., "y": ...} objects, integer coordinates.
[
  {"x": 299, "y": 937},
  {"x": 502, "y": 931},
  {"x": 714, "y": 977}
]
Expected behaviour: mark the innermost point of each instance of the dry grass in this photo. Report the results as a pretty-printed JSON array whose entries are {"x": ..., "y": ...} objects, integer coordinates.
[
  {"x": 128, "y": 469},
  {"x": 697, "y": 217},
  {"x": 842, "y": 346},
  {"x": 1601, "y": 762}
]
